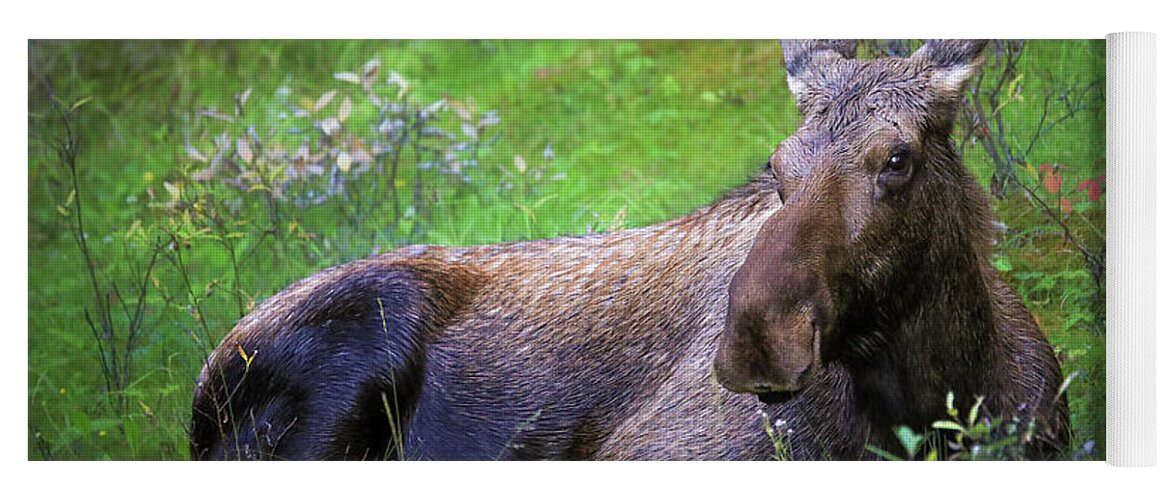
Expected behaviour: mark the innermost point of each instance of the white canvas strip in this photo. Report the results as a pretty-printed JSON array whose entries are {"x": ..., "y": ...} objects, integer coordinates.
[{"x": 1130, "y": 249}]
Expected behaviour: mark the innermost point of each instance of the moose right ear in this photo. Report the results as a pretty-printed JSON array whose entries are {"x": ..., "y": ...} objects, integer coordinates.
[{"x": 803, "y": 56}]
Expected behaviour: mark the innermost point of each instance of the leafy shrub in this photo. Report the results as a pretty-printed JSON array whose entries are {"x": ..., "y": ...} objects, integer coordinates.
[
  {"x": 971, "y": 435},
  {"x": 311, "y": 181},
  {"x": 346, "y": 154}
]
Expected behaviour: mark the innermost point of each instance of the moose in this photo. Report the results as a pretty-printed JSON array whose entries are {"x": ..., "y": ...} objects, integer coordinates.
[{"x": 844, "y": 291}]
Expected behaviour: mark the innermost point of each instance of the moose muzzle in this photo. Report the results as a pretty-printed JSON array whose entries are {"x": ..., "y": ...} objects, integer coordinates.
[{"x": 779, "y": 307}]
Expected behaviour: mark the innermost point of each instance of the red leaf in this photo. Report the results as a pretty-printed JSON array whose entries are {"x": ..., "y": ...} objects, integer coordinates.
[
  {"x": 1092, "y": 188},
  {"x": 1095, "y": 192},
  {"x": 1066, "y": 206},
  {"x": 1052, "y": 181}
]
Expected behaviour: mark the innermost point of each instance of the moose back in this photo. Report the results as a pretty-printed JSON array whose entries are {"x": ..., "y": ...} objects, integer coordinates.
[{"x": 856, "y": 307}]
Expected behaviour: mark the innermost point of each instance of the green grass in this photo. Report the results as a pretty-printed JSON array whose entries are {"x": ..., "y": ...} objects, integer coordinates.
[{"x": 648, "y": 129}]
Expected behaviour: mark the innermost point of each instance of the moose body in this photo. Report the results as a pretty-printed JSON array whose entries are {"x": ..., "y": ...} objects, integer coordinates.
[
  {"x": 829, "y": 318},
  {"x": 563, "y": 348}
]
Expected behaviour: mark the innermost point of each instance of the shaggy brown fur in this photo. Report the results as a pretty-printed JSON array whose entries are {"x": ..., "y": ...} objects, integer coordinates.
[
  {"x": 603, "y": 346},
  {"x": 879, "y": 261}
]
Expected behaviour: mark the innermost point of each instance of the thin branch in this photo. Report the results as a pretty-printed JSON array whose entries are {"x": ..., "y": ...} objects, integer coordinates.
[{"x": 1092, "y": 258}]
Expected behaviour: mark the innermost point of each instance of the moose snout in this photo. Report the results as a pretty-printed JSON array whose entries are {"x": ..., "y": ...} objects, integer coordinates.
[
  {"x": 764, "y": 357},
  {"x": 779, "y": 301}
]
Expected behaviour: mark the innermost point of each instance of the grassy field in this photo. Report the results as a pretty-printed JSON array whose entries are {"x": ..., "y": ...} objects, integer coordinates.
[{"x": 210, "y": 175}]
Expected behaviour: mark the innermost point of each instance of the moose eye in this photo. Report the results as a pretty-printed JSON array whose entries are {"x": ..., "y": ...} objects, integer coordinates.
[
  {"x": 898, "y": 161},
  {"x": 897, "y": 171}
]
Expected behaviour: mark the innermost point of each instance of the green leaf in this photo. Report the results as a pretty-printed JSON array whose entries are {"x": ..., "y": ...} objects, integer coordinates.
[
  {"x": 348, "y": 77},
  {"x": 947, "y": 425},
  {"x": 909, "y": 439},
  {"x": 975, "y": 412},
  {"x": 80, "y": 103},
  {"x": 979, "y": 432},
  {"x": 1002, "y": 264}
]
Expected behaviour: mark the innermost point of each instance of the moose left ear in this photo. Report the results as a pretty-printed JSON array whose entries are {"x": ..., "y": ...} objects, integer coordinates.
[
  {"x": 802, "y": 56},
  {"x": 952, "y": 62}
]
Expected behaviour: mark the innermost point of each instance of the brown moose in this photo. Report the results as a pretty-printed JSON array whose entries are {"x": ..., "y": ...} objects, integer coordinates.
[{"x": 855, "y": 308}]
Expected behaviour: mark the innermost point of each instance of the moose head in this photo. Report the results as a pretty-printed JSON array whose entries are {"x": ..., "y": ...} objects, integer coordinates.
[{"x": 874, "y": 208}]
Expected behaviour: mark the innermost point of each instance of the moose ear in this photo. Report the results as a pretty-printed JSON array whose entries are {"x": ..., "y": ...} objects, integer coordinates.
[
  {"x": 803, "y": 56},
  {"x": 953, "y": 62}
]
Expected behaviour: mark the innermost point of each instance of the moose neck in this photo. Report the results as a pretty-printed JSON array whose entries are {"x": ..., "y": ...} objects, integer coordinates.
[{"x": 937, "y": 333}]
